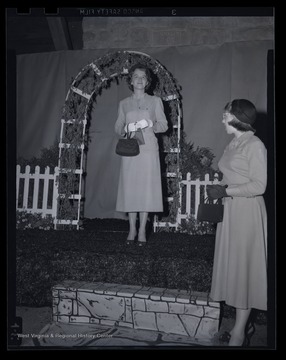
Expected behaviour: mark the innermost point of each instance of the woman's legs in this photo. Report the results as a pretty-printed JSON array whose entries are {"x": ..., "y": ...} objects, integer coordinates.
[
  {"x": 143, "y": 216},
  {"x": 132, "y": 226},
  {"x": 238, "y": 331},
  {"x": 142, "y": 229}
]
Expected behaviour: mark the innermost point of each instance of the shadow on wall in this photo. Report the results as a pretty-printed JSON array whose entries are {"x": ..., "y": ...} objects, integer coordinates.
[
  {"x": 261, "y": 125},
  {"x": 264, "y": 126}
]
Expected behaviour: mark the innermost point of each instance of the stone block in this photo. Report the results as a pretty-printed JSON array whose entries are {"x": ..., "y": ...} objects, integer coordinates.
[
  {"x": 138, "y": 304},
  {"x": 212, "y": 312},
  {"x": 183, "y": 298},
  {"x": 125, "y": 324},
  {"x": 170, "y": 323},
  {"x": 79, "y": 319},
  {"x": 103, "y": 306},
  {"x": 156, "y": 306},
  {"x": 67, "y": 294},
  {"x": 176, "y": 308},
  {"x": 93, "y": 320},
  {"x": 65, "y": 307},
  {"x": 207, "y": 328},
  {"x": 107, "y": 322},
  {"x": 191, "y": 324},
  {"x": 63, "y": 319},
  {"x": 144, "y": 293},
  {"x": 195, "y": 310},
  {"x": 168, "y": 296},
  {"x": 144, "y": 320}
]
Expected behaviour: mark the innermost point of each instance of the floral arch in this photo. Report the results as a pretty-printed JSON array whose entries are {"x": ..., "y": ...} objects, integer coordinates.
[{"x": 74, "y": 137}]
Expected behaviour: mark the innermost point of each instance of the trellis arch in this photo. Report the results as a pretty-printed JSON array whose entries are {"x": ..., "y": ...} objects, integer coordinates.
[{"x": 74, "y": 135}]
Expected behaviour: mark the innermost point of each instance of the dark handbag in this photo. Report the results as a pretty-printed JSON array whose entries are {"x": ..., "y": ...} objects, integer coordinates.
[
  {"x": 210, "y": 212},
  {"x": 127, "y": 147}
]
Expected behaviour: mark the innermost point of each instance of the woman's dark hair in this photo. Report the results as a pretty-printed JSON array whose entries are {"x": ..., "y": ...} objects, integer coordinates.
[
  {"x": 142, "y": 67},
  {"x": 236, "y": 123}
]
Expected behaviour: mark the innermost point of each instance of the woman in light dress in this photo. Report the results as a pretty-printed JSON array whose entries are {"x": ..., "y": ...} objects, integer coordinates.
[
  {"x": 140, "y": 188},
  {"x": 240, "y": 260}
]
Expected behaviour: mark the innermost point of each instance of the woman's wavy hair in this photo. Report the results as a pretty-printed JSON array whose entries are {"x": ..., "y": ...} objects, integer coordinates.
[
  {"x": 140, "y": 67},
  {"x": 237, "y": 124}
]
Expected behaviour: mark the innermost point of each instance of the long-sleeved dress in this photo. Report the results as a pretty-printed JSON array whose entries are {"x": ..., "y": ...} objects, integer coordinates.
[
  {"x": 240, "y": 259},
  {"x": 140, "y": 186}
]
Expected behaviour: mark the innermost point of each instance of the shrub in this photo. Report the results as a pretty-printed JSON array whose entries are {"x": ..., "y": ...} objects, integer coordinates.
[
  {"x": 26, "y": 220},
  {"x": 198, "y": 162},
  {"x": 194, "y": 227},
  {"x": 45, "y": 258},
  {"x": 48, "y": 157}
]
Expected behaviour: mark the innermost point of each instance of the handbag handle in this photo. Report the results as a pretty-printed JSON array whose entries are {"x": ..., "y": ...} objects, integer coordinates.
[
  {"x": 207, "y": 201},
  {"x": 128, "y": 134}
]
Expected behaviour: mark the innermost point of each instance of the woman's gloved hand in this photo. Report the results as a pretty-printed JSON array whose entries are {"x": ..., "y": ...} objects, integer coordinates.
[
  {"x": 135, "y": 126},
  {"x": 130, "y": 127},
  {"x": 216, "y": 191},
  {"x": 150, "y": 123},
  {"x": 142, "y": 124}
]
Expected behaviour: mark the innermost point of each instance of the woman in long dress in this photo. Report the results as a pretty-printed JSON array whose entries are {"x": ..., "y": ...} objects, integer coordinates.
[
  {"x": 140, "y": 187},
  {"x": 240, "y": 259}
]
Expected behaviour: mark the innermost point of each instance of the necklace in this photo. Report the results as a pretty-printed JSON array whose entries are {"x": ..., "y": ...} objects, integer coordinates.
[{"x": 140, "y": 102}]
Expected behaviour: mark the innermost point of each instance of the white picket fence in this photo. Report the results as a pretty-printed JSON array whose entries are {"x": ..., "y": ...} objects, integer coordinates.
[
  {"x": 36, "y": 192},
  {"x": 199, "y": 191},
  {"x": 33, "y": 187},
  {"x": 190, "y": 195}
]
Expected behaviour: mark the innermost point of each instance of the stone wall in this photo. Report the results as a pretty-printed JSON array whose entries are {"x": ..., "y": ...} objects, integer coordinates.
[
  {"x": 170, "y": 311},
  {"x": 138, "y": 32}
]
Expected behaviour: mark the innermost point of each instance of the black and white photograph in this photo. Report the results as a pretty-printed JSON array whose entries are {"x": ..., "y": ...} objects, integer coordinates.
[{"x": 140, "y": 175}]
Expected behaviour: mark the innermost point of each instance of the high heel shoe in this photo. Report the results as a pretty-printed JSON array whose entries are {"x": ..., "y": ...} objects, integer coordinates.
[
  {"x": 225, "y": 337},
  {"x": 131, "y": 241},
  {"x": 141, "y": 240},
  {"x": 249, "y": 332}
]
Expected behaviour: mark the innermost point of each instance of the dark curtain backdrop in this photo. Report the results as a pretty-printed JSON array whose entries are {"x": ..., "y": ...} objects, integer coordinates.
[{"x": 209, "y": 76}]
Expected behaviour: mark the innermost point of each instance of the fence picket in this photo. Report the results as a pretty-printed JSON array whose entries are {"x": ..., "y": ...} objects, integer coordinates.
[
  {"x": 45, "y": 191},
  {"x": 36, "y": 188},
  {"x": 198, "y": 195},
  {"x": 26, "y": 177},
  {"x": 55, "y": 193},
  {"x": 188, "y": 194}
]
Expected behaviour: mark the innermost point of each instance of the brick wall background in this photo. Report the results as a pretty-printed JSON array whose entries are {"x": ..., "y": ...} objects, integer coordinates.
[{"x": 138, "y": 32}]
